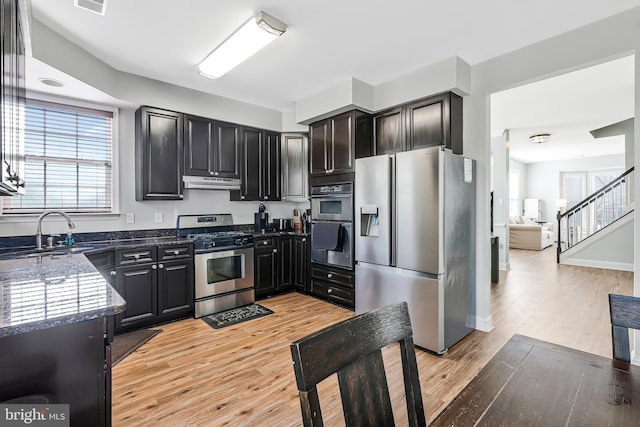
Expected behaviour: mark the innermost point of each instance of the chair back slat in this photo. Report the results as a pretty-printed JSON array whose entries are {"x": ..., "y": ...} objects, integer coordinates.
[
  {"x": 365, "y": 408},
  {"x": 625, "y": 314},
  {"x": 352, "y": 349}
]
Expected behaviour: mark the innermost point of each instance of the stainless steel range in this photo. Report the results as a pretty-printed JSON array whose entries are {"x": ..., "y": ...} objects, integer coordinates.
[{"x": 223, "y": 262}]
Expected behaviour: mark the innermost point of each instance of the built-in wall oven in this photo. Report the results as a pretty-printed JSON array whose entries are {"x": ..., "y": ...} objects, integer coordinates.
[
  {"x": 223, "y": 262},
  {"x": 332, "y": 225}
]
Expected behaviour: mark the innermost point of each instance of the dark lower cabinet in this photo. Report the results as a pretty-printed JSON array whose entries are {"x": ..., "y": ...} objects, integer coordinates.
[
  {"x": 277, "y": 264},
  {"x": 301, "y": 262},
  {"x": 174, "y": 293},
  {"x": 71, "y": 362},
  {"x": 156, "y": 282},
  {"x": 159, "y": 154},
  {"x": 265, "y": 266},
  {"x": 335, "y": 285},
  {"x": 137, "y": 284},
  {"x": 285, "y": 262}
]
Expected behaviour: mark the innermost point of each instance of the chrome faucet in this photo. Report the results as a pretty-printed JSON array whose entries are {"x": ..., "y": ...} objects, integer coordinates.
[{"x": 39, "y": 230}]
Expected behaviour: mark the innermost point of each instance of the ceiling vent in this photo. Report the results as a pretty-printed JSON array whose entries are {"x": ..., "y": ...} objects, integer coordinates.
[{"x": 95, "y": 6}]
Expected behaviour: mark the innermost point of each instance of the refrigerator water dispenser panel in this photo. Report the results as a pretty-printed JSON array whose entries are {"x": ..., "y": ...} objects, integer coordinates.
[{"x": 369, "y": 225}]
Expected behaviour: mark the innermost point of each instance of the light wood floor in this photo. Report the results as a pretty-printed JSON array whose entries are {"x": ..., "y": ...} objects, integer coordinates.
[{"x": 193, "y": 375}]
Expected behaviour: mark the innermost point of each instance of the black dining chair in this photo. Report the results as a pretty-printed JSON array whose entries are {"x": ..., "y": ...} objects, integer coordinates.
[
  {"x": 625, "y": 314},
  {"x": 352, "y": 349}
]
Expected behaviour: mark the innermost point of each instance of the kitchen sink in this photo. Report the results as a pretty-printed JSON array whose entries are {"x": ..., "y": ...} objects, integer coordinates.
[{"x": 58, "y": 251}]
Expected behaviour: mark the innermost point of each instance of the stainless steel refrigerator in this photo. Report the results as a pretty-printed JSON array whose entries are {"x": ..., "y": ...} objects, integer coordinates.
[{"x": 415, "y": 241}]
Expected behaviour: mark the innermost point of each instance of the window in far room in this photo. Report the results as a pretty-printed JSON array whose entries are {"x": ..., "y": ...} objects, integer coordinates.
[
  {"x": 68, "y": 159},
  {"x": 515, "y": 202}
]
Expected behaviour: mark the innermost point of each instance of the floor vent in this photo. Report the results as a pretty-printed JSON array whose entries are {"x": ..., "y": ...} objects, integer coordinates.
[{"x": 95, "y": 6}]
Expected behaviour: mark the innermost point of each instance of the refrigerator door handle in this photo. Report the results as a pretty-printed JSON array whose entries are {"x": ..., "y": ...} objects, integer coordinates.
[{"x": 392, "y": 215}]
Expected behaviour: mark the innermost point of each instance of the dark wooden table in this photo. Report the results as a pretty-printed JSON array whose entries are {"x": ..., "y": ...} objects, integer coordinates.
[{"x": 535, "y": 383}]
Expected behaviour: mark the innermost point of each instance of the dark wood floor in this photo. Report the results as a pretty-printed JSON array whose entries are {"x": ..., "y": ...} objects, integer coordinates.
[{"x": 193, "y": 375}]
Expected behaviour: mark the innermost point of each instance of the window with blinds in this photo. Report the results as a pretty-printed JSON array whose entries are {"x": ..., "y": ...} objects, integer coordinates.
[{"x": 67, "y": 159}]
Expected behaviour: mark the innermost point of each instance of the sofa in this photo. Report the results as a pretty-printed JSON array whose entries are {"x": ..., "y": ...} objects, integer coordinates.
[{"x": 526, "y": 234}]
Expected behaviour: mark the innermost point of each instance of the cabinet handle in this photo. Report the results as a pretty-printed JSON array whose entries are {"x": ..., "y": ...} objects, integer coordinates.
[
  {"x": 154, "y": 267},
  {"x": 330, "y": 290},
  {"x": 160, "y": 265},
  {"x": 112, "y": 272},
  {"x": 266, "y": 197},
  {"x": 304, "y": 239},
  {"x": 329, "y": 276},
  {"x": 327, "y": 171},
  {"x": 176, "y": 252},
  {"x": 265, "y": 243},
  {"x": 241, "y": 197},
  {"x": 216, "y": 173},
  {"x": 275, "y": 251}
]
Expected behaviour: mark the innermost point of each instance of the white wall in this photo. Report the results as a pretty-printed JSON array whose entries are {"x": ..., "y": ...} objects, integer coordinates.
[
  {"x": 543, "y": 179},
  {"x": 598, "y": 42},
  {"x": 520, "y": 169},
  {"x": 500, "y": 176}
]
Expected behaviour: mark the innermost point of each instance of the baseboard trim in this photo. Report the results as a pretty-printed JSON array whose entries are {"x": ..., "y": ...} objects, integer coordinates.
[
  {"x": 611, "y": 265},
  {"x": 504, "y": 266},
  {"x": 484, "y": 324}
]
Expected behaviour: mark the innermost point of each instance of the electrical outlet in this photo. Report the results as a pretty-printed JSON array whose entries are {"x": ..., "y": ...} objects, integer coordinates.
[
  {"x": 158, "y": 217},
  {"x": 131, "y": 218}
]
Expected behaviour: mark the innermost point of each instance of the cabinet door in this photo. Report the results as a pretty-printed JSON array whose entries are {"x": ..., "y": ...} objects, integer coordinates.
[
  {"x": 137, "y": 285},
  {"x": 265, "y": 272},
  {"x": 300, "y": 261},
  {"x": 175, "y": 287},
  {"x": 285, "y": 257},
  {"x": 318, "y": 147},
  {"x": 425, "y": 121},
  {"x": 342, "y": 143},
  {"x": 252, "y": 149},
  {"x": 294, "y": 167},
  {"x": 227, "y": 150},
  {"x": 158, "y": 154},
  {"x": 198, "y": 146},
  {"x": 271, "y": 166},
  {"x": 389, "y": 132}
]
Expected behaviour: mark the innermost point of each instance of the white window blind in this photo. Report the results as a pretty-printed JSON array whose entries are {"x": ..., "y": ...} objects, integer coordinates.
[{"x": 67, "y": 159}]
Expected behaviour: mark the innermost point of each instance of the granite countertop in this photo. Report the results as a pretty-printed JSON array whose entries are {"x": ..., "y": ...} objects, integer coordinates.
[{"x": 45, "y": 290}]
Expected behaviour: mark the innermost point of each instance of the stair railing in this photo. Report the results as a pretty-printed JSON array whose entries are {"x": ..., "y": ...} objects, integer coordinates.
[{"x": 594, "y": 213}]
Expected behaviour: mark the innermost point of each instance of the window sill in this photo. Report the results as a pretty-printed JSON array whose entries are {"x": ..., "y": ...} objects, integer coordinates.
[{"x": 31, "y": 217}]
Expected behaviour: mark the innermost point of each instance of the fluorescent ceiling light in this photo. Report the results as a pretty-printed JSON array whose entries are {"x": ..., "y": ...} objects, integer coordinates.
[{"x": 255, "y": 34}]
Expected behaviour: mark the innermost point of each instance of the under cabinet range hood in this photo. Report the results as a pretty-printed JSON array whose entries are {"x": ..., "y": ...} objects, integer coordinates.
[{"x": 211, "y": 183}]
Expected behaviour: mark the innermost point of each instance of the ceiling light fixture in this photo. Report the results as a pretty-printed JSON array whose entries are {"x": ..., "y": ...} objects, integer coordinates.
[
  {"x": 540, "y": 138},
  {"x": 50, "y": 82},
  {"x": 255, "y": 34}
]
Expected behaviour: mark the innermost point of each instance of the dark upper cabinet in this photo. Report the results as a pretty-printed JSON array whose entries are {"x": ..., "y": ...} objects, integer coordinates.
[
  {"x": 211, "y": 148},
  {"x": 159, "y": 154},
  {"x": 318, "y": 142},
  {"x": 436, "y": 120},
  {"x": 294, "y": 165},
  {"x": 271, "y": 167},
  {"x": 388, "y": 131},
  {"x": 12, "y": 98},
  {"x": 336, "y": 142},
  {"x": 227, "y": 148},
  {"x": 198, "y": 146},
  {"x": 260, "y": 166}
]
